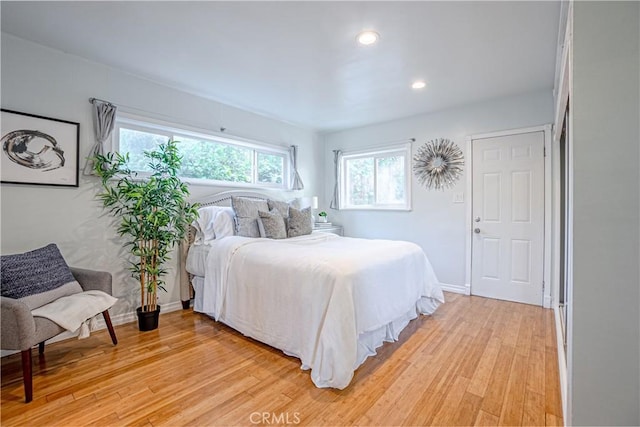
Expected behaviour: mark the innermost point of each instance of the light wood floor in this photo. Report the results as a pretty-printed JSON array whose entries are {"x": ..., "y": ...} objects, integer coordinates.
[{"x": 475, "y": 361}]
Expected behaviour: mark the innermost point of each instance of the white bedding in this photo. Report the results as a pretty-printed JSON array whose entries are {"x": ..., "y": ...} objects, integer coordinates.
[
  {"x": 197, "y": 259},
  {"x": 327, "y": 300}
]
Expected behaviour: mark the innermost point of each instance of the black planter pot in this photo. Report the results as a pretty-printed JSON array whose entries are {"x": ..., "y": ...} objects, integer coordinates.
[{"x": 148, "y": 320}]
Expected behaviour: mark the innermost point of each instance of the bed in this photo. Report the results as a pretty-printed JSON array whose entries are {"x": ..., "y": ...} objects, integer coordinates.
[{"x": 328, "y": 300}]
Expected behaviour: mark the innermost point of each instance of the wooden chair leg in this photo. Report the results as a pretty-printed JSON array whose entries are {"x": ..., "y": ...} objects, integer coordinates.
[
  {"x": 41, "y": 348},
  {"x": 107, "y": 320},
  {"x": 27, "y": 375}
]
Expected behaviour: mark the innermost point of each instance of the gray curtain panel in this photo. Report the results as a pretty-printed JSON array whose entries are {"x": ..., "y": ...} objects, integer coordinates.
[
  {"x": 335, "y": 201},
  {"x": 296, "y": 181},
  {"x": 104, "y": 119}
]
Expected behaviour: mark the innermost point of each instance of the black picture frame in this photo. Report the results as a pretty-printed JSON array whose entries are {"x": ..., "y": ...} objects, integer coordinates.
[{"x": 39, "y": 150}]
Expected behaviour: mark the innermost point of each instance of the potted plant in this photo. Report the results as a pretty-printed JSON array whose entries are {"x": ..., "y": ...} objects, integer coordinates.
[
  {"x": 154, "y": 215},
  {"x": 322, "y": 217}
]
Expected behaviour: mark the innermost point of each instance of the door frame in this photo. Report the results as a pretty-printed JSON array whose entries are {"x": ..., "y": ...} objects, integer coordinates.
[{"x": 547, "y": 298}]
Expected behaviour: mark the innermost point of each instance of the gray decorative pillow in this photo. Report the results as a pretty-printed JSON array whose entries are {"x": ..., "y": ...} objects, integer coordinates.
[
  {"x": 37, "y": 277},
  {"x": 299, "y": 222},
  {"x": 247, "y": 215},
  {"x": 272, "y": 225},
  {"x": 281, "y": 207}
]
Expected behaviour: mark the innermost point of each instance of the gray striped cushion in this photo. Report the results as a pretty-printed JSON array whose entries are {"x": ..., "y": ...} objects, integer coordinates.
[{"x": 37, "y": 277}]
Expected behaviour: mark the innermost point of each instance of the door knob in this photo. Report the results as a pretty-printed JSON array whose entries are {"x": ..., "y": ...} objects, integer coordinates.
[
  {"x": 477, "y": 219},
  {"x": 476, "y": 230}
]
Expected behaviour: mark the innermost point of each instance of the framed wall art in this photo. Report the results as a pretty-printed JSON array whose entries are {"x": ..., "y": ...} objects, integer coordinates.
[{"x": 38, "y": 150}]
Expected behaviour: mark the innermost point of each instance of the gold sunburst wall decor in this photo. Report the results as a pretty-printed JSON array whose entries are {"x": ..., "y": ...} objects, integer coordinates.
[{"x": 438, "y": 164}]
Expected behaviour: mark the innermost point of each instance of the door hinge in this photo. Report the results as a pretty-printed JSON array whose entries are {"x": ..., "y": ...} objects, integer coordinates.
[
  {"x": 543, "y": 286},
  {"x": 544, "y": 151}
]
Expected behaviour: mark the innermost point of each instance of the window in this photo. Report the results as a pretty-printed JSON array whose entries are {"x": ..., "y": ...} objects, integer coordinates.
[
  {"x": 377, "y": 179},
  {"x": 206, "y": 158}
]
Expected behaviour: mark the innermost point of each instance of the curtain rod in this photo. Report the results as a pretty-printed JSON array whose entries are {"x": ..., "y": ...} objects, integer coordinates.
[
  {"x": 93, "y": 100},
  {"x": 398, "y": 141},
  {"x": 197, "y": 127}
]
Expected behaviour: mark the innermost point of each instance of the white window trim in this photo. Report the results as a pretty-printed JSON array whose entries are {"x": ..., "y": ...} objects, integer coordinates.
[
  {"x": 170, "y": 130},
  {"x": 404, "y": 149}
]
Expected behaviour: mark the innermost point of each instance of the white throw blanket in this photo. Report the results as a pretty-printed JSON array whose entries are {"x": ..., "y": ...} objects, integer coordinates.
[
  {"x": 314, "y": 296},
  {"x": 76, "y": 311}
]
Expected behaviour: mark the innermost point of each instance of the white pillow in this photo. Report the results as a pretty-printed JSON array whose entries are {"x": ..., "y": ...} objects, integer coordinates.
[
  {"x": 224, "y": 224},
  {"x": 214, "y": 222},
  {"x": 204, "y": 224}
]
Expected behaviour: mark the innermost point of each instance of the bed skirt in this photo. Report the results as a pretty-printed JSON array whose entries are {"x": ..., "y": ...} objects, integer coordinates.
[{"x": 368, "y": 342}]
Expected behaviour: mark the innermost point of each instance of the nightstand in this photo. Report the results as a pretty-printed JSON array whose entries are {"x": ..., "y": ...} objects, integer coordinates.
[{"x": 334, "y": 229}]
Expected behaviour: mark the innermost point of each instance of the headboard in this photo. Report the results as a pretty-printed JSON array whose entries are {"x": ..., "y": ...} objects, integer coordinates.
[{"x": 219, "y": 199}]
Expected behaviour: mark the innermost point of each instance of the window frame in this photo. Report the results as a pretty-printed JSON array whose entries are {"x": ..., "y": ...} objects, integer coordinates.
[
  {"x": 377, "y": 153},
  {"x": 176, "y": 131}
]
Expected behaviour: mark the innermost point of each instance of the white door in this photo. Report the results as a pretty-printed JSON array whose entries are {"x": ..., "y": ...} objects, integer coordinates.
[{"x": 508, "y": 217}]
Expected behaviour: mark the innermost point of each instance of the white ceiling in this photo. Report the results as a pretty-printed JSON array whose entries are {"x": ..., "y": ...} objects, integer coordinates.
[{"x": 299, "y": 62}]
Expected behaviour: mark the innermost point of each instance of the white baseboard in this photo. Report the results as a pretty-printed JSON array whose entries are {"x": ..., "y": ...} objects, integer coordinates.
[
  {"x": 562, "y": 364},
  {"x": 458, "y": 289},
  {"x": 119, "y": 319},
  {"x": 123, "y": 318}
]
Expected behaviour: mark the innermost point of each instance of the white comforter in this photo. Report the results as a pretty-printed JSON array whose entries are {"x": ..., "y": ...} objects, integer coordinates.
[{"x": 314, "y": 296}]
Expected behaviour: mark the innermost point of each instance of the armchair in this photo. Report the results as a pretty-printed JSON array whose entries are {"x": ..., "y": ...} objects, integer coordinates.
[{"x": 21, "y": 331}]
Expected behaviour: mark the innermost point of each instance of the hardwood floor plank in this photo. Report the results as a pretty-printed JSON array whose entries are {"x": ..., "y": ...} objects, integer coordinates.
[
  {"x": 468, "y": 410},
  {"x": 246, "y": 408},
  {"x": 514, "y": 319},
  {"x": 495, "y": 394},
  {"x": 95, "y": 410},
  {"x": 398, "y": 400},
  {"x": 553, "y": 405},
  {"x": 513, "y": 404},
  {"x": 107, "y": 420},
  {"x": 482, "y": 375},
  {"x": 130, "y": 408},
  {"x": 525, "y": 334},
  {"x": 356, "y": 402},
  {"x": 448, "y": 412},
  {"x": 550, "y": 331},
  {"x": 486, "y": 419},
  {"x": 536, "y": 371},
  {"x": 425, "y": 410},
  {"x": 552, "y": 420},
  {"x": 59, "y": 418},
  {"x": 201, "y": 401},
  {"x": 474, "y": 361},
  {"x": 534, "y": 414}
]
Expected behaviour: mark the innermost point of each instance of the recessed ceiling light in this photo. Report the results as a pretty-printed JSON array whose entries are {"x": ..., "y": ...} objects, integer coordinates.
[
  {"x": 368, "y": 37},
  {"x": 418, "y": 84}
]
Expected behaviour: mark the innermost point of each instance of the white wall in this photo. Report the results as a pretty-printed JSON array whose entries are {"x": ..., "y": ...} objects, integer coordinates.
[
  {"x": 604, "y": 368},
  {"x": 435, "y": 223},
  {"x": 46, "y": 82}
]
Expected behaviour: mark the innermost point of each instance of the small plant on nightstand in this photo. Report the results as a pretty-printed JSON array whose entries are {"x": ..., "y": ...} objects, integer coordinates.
[{"x": 322, "y": 217}]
